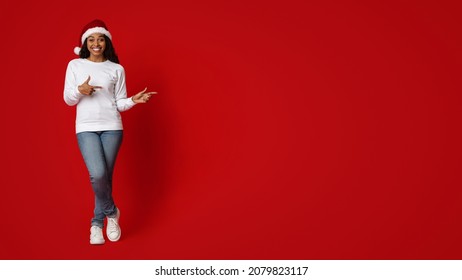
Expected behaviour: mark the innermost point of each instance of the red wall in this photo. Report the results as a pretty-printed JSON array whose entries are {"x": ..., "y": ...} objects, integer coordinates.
[{"x": 290, "y": 130}]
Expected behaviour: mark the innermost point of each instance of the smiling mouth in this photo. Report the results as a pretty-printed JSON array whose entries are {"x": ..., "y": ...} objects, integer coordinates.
[{"x": 96, "y": 49}]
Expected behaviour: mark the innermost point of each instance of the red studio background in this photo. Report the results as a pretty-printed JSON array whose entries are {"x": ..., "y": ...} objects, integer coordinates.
[{"x": 282, "y": 130}]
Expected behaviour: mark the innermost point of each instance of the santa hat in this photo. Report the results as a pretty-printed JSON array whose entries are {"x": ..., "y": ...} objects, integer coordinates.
[{"x": 96, "y": 26}]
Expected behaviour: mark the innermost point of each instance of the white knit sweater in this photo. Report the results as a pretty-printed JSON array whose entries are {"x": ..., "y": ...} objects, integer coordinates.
[{"x": 100, "y": 111}]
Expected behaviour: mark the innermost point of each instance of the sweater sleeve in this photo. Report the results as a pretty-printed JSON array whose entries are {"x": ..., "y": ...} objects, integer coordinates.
[
  {"x": 71, "y": 92},
  {"x": 123, "y": 103}
]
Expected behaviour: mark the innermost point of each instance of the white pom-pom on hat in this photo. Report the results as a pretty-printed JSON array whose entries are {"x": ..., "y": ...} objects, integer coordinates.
[
  {"x": 95, "y": 26},
  {"x": 77, "y": 50}
]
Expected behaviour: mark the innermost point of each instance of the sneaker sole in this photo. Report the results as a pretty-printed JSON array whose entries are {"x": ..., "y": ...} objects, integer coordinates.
[{"x": 96, "y": 243}]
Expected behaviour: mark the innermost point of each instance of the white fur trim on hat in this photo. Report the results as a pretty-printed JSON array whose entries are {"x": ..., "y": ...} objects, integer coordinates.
[
  {"x": 77, "y": 50},
  {"x": 90, "y": 31}
]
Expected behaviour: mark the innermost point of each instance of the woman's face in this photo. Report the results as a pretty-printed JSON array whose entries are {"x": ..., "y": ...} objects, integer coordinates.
[{"x": 96, "y": 43}]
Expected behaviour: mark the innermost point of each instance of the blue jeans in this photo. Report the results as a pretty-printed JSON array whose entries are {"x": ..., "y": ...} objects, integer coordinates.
[{"x": 99, "y": 150}]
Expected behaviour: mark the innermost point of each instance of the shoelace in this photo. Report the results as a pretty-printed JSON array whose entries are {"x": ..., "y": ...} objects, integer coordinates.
[
  {"x": 112, "y": 224},
  {"x": 97, "y": 232}
]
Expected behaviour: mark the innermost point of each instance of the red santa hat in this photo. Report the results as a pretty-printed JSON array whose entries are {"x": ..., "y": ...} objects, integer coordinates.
[{"x": 95, "y": 26}]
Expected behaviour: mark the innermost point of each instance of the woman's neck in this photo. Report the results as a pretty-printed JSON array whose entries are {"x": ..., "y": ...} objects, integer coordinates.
[{"x": 96, "y": 58}]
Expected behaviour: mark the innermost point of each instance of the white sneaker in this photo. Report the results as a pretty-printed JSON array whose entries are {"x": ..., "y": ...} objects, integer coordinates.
[
  {"x": 96, "y": 235},
  {"x": 113, "y": 230}
]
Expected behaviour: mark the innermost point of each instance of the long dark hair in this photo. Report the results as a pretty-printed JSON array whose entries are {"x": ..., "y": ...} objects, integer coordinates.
[{"x": 109, "y": 52}]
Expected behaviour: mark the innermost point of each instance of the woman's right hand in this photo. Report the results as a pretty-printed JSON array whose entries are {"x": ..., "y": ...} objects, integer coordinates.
[{"x": 86, "y": 88}]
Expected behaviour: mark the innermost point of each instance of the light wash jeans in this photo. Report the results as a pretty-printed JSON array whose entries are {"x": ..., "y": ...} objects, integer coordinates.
[{"x": 99, "y": 150}]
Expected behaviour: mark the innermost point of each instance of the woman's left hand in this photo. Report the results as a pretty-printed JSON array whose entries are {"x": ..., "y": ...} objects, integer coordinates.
[{"x": 142, "y": 96}]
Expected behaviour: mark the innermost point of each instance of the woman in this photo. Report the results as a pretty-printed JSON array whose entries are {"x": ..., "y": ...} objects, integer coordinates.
[{"x": 95, "y": 82}]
